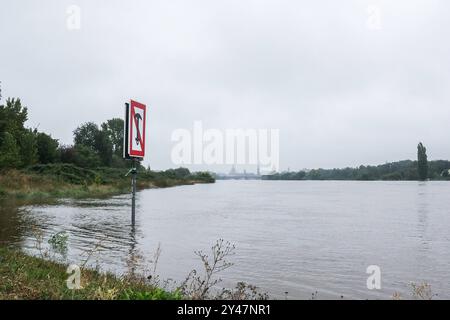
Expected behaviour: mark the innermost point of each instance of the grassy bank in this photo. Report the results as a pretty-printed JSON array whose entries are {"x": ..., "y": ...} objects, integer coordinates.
[
  {"x": 26, "y": 277},
  {"x": 66, "y": 180}
]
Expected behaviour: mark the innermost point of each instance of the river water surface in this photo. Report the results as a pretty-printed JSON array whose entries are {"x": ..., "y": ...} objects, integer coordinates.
[{"x": 297, "y": 237}]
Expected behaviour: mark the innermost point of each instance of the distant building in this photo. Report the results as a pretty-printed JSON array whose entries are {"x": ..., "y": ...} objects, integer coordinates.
[
  {"x": 445, "y": 173},
  {"x": 235, "y": 175}
]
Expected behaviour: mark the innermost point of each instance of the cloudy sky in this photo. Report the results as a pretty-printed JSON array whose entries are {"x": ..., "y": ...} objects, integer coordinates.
[{"x": 346, "y": 82}]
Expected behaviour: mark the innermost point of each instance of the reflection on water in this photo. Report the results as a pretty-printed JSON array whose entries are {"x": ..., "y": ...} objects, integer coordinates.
[
  {"x": 295, "y": 237},
  {"x": 14, "y": 222}
]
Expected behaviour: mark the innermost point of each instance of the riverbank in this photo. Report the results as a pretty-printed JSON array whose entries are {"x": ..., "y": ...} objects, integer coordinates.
[
  {"x": 27, "y": 277},
  {"x": 69, "y": 181},
  {"x": 406, "y": 170}
]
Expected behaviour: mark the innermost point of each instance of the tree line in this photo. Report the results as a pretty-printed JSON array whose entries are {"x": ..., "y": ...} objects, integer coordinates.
[
  {"x": 421, "y": 169},
  {"x": 93, "y": 145}
]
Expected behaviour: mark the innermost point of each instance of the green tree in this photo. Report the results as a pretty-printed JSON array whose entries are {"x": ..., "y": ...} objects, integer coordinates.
[
  {"x": 90, "y": 136},
  {"x": 86, "y": 135},
  {"x": 27, "y": 148},
  {"x": 12, "y": 118},
  {"x": 9, "y": 152},
  {"x": 114, "y": 130},
  {"x": 47, "y": 148},
  {"x": 104, "y": 147},
  {"x": 15, "y": 140},
  {"x": 67, "y": 154},
  {"x": 422, "y": 162}
]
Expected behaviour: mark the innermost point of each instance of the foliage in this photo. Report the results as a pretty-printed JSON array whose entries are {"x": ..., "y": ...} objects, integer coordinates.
[
  {"x": 104, "y": 148},
  {"x": 13, "y": 117},
  {"x": 67, "y": 180},
  {"x": 202, "y": 176},
  {"x": 243, "y": 291},
  {"x": 422, "y": 162},
  {"x": 27, "y": 148},
  {"x": 422, "y": 291},
  {"x": 47, "y": 148},
  {"x": 79, "y": 155},
  {"x": 156, "y": 294},
  {"x": 86, "y": 135},
  {"x": 179, "y": 173},
  {"x": 85, "y": 157},
  {"x": 9, "y": 152},
  {"x": 58, "y": 242},
  {"x": 396, "y": 171},
  {"x": 65, "y": 172},
  {"x": 25, "y": 277},
  {"x": 17, "y": 144},
  {"x": 198, "y": 286},
  {"x": 67, "y": 154},
  {"x": 89, "y": 137},
  {"x": 114, "y": 131}
]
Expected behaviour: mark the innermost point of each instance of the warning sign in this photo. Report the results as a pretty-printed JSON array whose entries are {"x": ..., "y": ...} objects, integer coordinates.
[{"x": 134, "y": 133}]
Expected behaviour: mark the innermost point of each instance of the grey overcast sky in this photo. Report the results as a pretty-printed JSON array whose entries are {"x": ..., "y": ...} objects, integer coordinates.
[{"x": 341, "y": 91}]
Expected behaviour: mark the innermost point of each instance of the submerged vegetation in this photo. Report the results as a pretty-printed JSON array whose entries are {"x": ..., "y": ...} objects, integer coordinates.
[
  {"x": 27, "y": 277},
  {"x": 68, "y": 180},
  {"x": 38, "y": 278}
]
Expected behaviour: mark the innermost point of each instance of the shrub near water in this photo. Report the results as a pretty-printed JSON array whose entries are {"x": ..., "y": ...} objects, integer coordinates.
[{"x": 65, "y": 172}]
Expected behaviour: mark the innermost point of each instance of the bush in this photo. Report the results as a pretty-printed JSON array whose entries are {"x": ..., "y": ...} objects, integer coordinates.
[
  {"x": 9, "y": 152},
  {"x": 27, "y": 148},
  {"x": 65, "y": 172},
  {"x": 86, "y": 157},
  {"x": 179, "y": 173},
  {"x": 47, "y": 148}
]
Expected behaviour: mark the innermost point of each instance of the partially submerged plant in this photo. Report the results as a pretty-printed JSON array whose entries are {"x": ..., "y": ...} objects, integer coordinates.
[
  {"x": 198, "y": 286},
  {"x": 58, "y": 242},
  {"x": 243, "y": 291},
  {"x": 422, "y": 291}
]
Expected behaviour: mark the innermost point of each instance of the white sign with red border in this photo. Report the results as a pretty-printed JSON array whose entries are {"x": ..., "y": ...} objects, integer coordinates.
[{"x": 134, "y": 133}]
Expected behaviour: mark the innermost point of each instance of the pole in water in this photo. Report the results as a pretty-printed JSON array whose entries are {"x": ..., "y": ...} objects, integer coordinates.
[
  {"x": 133, "y": 198},
  {"x": 133, "y": 172}
]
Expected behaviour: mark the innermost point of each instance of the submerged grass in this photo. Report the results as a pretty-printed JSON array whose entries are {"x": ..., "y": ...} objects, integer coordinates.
[
  {"x": 69, "y": 181},
  {"x": 26, "y": 277}
]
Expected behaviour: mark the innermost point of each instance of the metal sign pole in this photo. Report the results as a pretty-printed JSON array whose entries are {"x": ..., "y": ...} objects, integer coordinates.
[
  {"x": 133, "y": 198},
  {"x": 133, "y": 172}
]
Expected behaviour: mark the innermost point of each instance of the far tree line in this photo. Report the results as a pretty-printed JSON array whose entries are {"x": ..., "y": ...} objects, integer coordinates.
[
  {"x": 93, "y": 145},
  {"x": 421, "y": 169}
]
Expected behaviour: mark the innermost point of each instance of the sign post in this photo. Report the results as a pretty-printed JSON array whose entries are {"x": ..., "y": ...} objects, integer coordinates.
[
  {"x": 134, "y": 144},
  {"x": 133, "y": 191}
]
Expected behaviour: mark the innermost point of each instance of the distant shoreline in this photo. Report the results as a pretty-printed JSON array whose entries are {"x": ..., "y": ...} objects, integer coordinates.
[{"x": 406, "y": 170}]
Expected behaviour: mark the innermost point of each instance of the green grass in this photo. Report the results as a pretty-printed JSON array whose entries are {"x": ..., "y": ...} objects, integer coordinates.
[
  {"x": 26, "y": 277},
  {"x": 69, "y": 181}
]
